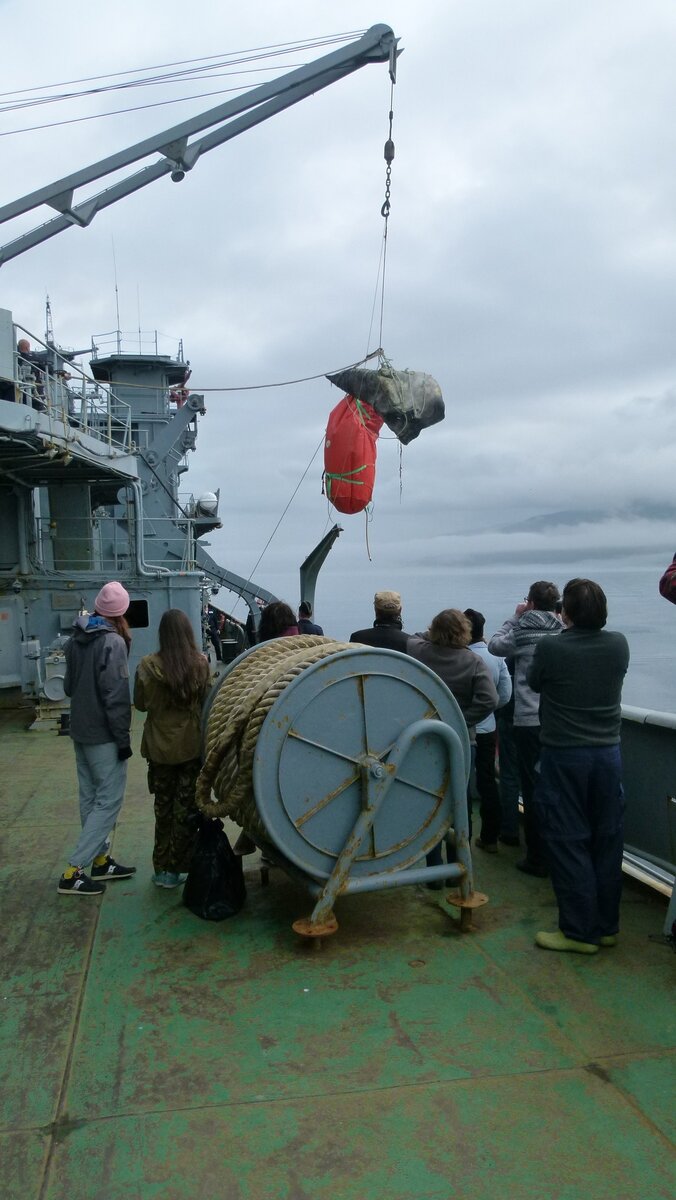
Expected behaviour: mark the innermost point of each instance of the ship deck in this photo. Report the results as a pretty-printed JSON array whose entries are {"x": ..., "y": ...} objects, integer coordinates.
[{"x": 148, "y": 1054}]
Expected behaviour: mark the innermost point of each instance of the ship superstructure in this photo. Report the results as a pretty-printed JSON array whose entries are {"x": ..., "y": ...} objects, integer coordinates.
[{"x": 91, "y": 464}]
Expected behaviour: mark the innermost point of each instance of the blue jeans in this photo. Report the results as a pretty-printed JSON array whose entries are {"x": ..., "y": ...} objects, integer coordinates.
[
  {"x": 102, "y": 779},
  {"x": 580, "y": 808}
]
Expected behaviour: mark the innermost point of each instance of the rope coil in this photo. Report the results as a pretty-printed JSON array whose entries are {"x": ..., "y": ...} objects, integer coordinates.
[{"x": 238, "y": 711}]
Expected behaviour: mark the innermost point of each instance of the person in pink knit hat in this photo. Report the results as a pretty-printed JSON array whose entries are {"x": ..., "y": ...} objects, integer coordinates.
[{"x": 97, "y": 681}]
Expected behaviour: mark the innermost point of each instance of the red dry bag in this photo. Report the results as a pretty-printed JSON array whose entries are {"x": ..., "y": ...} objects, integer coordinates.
[{"x": 350, "y": 454}]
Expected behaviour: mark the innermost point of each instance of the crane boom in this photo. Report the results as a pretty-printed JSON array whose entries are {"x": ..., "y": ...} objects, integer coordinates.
[{"x": 179, "y": 155}]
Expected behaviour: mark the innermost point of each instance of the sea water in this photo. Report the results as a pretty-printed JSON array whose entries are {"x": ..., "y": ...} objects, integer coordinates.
[{"x": 635, "y": 608}]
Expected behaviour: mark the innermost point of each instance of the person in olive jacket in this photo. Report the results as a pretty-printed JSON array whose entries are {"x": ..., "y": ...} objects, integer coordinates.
[{"x": 170, "y": 687}]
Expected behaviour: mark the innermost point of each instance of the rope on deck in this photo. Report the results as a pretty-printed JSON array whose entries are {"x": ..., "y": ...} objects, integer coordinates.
[{"x": 238, "y": 711}]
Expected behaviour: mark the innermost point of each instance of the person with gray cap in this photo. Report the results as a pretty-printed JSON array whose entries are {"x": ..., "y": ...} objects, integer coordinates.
[
  {"x": 97, "y": 681},
  {"x": 386, "y": 633}
]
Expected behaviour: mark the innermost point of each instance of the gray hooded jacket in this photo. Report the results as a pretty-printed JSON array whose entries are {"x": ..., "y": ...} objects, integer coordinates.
[
  {"x": 517, "y": 639},
  {"x": 97, "y": 681}
]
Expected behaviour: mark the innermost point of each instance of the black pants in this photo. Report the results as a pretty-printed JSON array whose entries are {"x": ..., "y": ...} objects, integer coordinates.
[
  {"x": 527, "y": 740},
  {"x": 487, "y": 786},
  {"x": 510, "y": 785},
  {"x": 580, "y": 805}
]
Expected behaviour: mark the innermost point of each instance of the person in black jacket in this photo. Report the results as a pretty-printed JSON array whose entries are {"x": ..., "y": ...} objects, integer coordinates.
[
  {"x": 387, "y": 632},
  {"x": 305, "y": 622},
  {"x": 214, "y": 628},
  {"x": 97, "y": 681}
]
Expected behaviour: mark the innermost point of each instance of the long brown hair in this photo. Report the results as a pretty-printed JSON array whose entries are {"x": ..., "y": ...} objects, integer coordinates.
[
  {"x": 186, "y": 671},
  {"x": 275, "y": 618},
  {"x": 120, "y": 626}
]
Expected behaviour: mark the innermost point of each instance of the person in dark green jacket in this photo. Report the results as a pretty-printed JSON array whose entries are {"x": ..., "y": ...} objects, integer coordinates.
[
  {"x": 578, "y": 796},
  {"x": 170, "y": 687}
]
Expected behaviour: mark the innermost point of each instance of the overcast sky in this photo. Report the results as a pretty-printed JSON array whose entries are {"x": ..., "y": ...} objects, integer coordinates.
[{"x": 531, "y": 268}]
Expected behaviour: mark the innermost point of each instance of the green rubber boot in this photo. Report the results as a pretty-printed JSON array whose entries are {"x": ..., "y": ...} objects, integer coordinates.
[
  {"x": 559, "y": 941},
  {"x": 609, "y": 940}
]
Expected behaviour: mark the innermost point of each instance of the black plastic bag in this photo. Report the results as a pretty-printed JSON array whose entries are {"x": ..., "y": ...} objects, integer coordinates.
[
  {"x": 215, "y": 886},
  {"x": 408, "y": 401}
]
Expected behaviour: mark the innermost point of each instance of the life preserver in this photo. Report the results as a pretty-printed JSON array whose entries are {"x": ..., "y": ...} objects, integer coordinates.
[{"x": 350, "y": 454}]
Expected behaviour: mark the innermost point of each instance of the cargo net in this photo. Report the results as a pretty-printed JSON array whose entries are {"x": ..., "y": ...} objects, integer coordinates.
[{"x": 237, "y": 713}]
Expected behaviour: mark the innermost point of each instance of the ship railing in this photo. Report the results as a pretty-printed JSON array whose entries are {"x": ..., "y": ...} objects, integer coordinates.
[
  {"x": 107, "y": 541},
  {"x": 140, "y": 341},
  {"x": 187, "y": 503},
  {"x": 60, "y": 390},
  {"x": 192, "y": 505},
  {"x": 102, "y": 414},
  {"x": 649, "y": 781}
]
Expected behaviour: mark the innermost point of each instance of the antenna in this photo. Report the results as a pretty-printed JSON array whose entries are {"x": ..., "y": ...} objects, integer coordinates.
[
  {"x": 49, "y": 327},
  {"x": 117, "y": 300},
  {"x": 138, "y": 315}
]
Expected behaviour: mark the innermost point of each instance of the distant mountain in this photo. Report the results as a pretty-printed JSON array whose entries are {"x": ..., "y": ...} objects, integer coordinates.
[{"x": 589, "y": 516}]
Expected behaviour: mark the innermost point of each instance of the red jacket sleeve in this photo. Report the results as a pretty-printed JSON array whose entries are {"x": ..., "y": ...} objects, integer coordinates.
[{"x": 668, "y": 583}]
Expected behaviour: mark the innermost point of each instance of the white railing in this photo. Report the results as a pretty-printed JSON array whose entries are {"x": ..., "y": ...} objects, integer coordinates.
[
  {"x": 140, "y": 341},
  {"x": 108, "y": 543},
  {"x": 51, "y": 385}
]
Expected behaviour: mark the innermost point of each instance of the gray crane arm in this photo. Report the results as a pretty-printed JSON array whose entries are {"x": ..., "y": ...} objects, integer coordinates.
[
  {"x": 179, "y": 155},
  {"x": 246, "y": 588}
]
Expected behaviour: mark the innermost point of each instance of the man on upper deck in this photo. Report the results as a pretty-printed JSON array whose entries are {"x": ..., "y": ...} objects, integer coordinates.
[
  {"x": 31, "y": 386},
  {"x": 578, "y": 796}
]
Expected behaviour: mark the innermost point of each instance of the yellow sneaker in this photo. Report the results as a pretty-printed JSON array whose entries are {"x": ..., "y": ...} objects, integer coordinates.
[{"x": 559, "y": 941}]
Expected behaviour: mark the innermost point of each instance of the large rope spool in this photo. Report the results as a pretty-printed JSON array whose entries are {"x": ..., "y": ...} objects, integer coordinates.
[{"x": 300, "y": 731}]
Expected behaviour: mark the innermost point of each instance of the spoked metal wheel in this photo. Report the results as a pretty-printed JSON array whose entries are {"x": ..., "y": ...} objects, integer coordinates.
[{"x": 331, "y": 731}]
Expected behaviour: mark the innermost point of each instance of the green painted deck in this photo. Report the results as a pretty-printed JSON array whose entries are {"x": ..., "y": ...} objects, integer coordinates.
[{"x": 148, "y": 1054}]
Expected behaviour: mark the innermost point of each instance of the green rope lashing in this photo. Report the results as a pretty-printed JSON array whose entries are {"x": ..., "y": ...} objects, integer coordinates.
[
  {"x": 360, "y": 410},
  {"x": 328, "y": 476}
]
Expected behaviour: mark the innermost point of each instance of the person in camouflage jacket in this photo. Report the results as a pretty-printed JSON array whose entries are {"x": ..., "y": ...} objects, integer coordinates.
[{"x": 170, "y": 687}]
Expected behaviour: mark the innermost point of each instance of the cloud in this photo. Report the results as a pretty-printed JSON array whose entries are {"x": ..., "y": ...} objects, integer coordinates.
[{"x": 529, "y": 268}]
